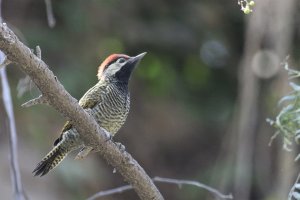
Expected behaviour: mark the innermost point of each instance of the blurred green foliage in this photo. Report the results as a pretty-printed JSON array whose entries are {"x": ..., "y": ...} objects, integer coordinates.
[
  {"x": 287, "y": 121},
  {"x": 158, "y": 75}
]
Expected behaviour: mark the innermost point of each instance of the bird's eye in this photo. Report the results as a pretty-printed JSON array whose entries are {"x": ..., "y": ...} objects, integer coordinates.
[{"x": 121, "y": 60}]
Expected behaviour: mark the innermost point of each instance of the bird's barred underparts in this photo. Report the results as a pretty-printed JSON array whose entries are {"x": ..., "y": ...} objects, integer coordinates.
[{"x": 108, "y": 102}]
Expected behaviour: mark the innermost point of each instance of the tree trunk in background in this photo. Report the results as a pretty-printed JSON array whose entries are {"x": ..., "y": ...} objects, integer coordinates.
[
  {"x": 269, "y": 31},
  {"x": 282, "y": 29}
]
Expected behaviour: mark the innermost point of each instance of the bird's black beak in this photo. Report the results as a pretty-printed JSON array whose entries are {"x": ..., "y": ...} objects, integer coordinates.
[
  {"x": 126, "y": 70},
  {"x": 136, "y": 59}
]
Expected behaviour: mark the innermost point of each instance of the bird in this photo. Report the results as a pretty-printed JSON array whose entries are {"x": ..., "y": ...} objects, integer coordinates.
[{"x": 108, "y": 102}]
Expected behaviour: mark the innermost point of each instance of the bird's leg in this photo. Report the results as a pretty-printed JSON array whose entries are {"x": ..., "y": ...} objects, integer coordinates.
[{"x": 83, "y": 153}]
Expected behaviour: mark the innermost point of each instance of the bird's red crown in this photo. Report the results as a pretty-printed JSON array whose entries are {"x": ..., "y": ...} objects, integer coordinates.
[{"x": 110, "y": 59}]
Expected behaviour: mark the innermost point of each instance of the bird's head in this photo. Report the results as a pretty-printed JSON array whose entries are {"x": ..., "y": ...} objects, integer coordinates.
[{"x": 118, "y": 67}]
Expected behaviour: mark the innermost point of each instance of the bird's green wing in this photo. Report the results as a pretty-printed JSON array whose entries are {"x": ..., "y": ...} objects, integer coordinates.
[
  {"x": 89, "y": 100},
  {"x": 92, "y": 97}
]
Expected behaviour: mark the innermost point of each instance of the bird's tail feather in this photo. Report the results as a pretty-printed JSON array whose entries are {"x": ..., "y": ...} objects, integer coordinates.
[{"x": 51, "y": 160}]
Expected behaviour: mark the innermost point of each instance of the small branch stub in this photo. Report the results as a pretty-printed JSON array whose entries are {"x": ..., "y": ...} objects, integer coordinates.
[
  {"x": 38, "y": 52},
  {"x": 39, "y": 100}
]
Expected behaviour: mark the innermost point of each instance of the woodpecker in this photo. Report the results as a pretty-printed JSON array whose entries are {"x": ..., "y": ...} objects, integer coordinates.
[{"x": 108, "y": 102}]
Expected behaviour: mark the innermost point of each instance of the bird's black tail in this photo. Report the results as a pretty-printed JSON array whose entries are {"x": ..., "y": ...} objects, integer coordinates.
[{"x": 51, "y": 160}]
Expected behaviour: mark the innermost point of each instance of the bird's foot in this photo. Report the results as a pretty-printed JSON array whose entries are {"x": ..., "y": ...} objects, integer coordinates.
[
  {"x": 120, "y": 146},
  {"x": 108, "y": 137}
]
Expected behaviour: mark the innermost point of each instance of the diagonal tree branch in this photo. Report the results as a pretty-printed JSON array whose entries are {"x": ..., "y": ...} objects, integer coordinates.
[{"x": 64, "y": 103}]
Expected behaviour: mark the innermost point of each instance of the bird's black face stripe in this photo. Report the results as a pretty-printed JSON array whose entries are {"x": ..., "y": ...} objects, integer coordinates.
[
  {"x": 123, "y": 75},
  {"x": 114, "y": 61}
]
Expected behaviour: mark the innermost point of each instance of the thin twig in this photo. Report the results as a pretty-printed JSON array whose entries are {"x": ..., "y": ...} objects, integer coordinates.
[
  {"x": 13, "y": 143},
  {"x": 39, "y": 100},
  {"x": 50, "y": 16},
  {"x": 110, "y": 192},
  {"x": 163, "y": 180},
  {"x": 194, "y": 183},
  {"x": 15, "y": 170}
]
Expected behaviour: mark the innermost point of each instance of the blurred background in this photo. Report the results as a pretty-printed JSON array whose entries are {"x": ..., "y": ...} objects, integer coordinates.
[{"x": 199, "y": 98}]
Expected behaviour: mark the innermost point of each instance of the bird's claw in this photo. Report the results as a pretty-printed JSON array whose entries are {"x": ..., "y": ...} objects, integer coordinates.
[
  {"x": 108, "y": 137},
  {"x": 120, "y": 146}
]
